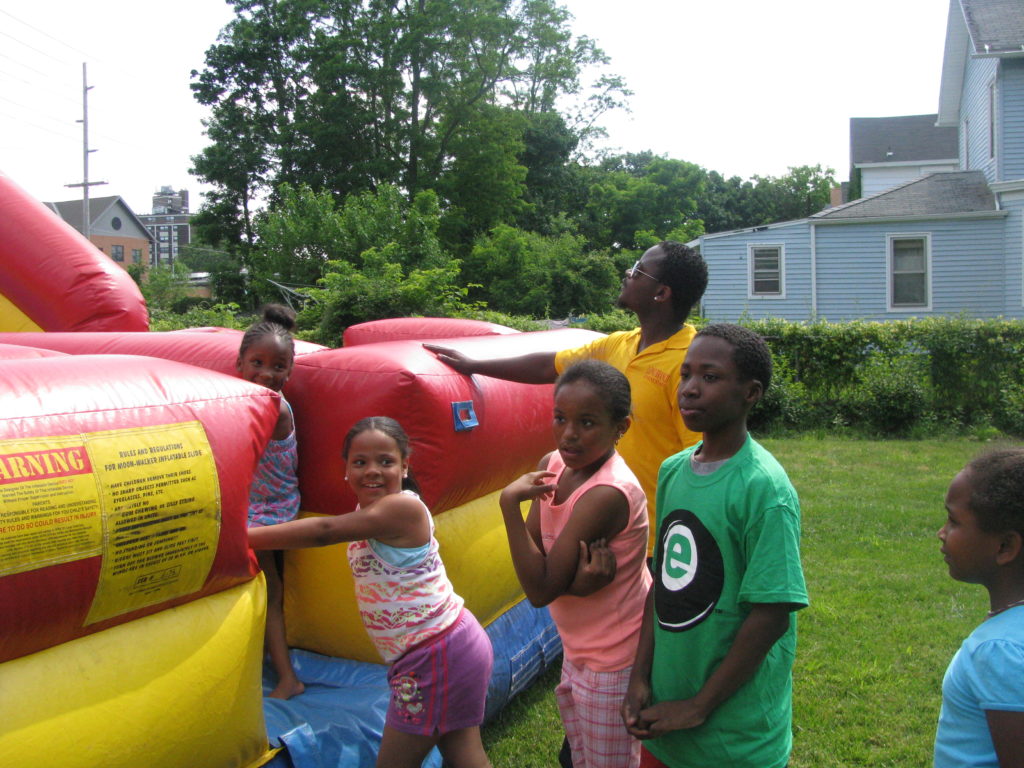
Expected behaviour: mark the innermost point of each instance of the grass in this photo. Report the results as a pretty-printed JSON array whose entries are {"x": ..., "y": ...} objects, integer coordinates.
[{"x": 884, "y": 620}]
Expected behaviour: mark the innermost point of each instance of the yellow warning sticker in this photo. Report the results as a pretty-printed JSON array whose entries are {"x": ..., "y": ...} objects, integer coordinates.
[
  {"x": 49, "y": 510},
  {"x": 147, "y": 499},
  {"x": 161, "y": 515}
]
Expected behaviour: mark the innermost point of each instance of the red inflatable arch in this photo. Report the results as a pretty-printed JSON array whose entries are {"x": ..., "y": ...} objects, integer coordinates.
[{"x": 53, "y": 279}]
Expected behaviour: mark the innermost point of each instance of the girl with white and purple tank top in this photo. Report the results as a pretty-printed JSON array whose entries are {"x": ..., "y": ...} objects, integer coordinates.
[{"x": 440, "y": 657}]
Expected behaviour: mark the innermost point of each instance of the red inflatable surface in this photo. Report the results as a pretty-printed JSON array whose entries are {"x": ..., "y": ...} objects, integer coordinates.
[
  {"x": 216, "y": 349},
  {"x": 470, "y": 435},
  {"x": 123, "y": 490},
  {"x": 418, "y": 328},
  {"x": 13, "y": 352}
]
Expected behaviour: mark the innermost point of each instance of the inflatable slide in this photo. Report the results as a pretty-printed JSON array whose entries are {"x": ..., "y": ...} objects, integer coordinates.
[{"x": 125, "y": 580}]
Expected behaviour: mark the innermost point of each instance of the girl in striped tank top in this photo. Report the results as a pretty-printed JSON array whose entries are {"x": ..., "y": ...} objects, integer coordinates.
[{"x": 440, "y": 656}]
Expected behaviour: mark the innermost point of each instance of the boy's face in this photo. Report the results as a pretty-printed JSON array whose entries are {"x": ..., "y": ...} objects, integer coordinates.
[
  {"x": 969, "y": 551},
  {"x": 711, "y": 395}
]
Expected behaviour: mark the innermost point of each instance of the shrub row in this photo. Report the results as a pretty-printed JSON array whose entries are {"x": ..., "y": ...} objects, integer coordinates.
[{"x": 898, "y": 376}]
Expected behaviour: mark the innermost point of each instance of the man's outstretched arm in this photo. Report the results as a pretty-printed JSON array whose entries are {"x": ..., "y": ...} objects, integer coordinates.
[{"x": 533, "y": 368}]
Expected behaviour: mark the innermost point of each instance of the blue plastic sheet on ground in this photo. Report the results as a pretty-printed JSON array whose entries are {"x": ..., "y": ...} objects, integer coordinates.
[{"x": 339, "y": 719}]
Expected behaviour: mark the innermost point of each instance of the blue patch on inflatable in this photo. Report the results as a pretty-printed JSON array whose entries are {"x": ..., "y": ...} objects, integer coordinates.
[{"x": 464, "y": 416}]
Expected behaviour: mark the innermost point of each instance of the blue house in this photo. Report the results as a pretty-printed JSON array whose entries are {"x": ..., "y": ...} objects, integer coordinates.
[{"x": 941, "y": 244}]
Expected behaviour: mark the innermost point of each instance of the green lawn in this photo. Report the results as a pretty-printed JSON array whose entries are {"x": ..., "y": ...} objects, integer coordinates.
[{"x": 884, "y": 621}]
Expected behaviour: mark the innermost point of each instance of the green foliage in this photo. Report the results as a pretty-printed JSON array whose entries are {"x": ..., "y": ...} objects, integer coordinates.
[
  {"x": 200, "y": 316},
  {"x": 385, "y": 217},
  {"x": 297, "y": 237},
  {"x": 162, "y": 286},
  {"x": 519, "y": 322},
  {"x": 890, "y": 396},
  {"x": 530, "y": 274},
  {"x": 379, "y": 290},
  {"x": 485, "y": 185},
  {"x": 733, "y": 203},
  {"x": 611, "y": 321},
  {"x": 785, "y": 406},
  {"x": 638, "y": 193},
  {"x": 344, "y": 96},
  {"x": 1009, "y": 415},
  {"x": 890, "y": 377}
]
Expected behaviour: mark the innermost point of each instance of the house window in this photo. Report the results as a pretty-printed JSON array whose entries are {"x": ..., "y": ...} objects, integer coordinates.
[
  {"x": 136, "y": 255},
  {"x": 909, "y": 272},
  {"x": 117, "y": 252},
  {"x": 766, "y": 267}
]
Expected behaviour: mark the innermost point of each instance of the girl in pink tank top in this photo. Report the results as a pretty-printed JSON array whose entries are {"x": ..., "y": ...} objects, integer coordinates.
[{"x": 581, "y": 551}]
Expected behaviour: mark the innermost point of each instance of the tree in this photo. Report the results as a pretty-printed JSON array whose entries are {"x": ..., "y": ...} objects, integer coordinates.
[
  {"x": 725, "y": 203},
  {"x": 381, "y": 288},
  {"x": 344, "y": 96},
  {"x": 637, "y": 193},
  {"x": 800, "y": 193},
  {"x": 527, "y": 273}
]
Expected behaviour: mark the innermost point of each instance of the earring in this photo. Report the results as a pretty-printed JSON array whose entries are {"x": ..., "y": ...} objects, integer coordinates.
[{"x": 346, "y": 478}]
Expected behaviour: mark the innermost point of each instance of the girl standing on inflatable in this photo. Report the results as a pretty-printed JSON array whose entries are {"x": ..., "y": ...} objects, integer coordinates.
[
  {"x": 265, "y": 357},
  {"x": 583, "y": 493},
  {"x": 440, "y": 656}
]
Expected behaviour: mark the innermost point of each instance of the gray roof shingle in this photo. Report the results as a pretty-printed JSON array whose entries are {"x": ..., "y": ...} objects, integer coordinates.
[
  {"x": 900, "y": 139},
  {"x": 995, "y": 26},
  {"x": 937, "y": 193}
]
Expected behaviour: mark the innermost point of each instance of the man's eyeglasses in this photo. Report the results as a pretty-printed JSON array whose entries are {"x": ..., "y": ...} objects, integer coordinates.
[{"x": 635, "y": 270}]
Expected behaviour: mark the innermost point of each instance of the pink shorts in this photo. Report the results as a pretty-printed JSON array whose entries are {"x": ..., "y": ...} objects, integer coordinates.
[
  {"x": 441, "y": 685},
  {"x": 589, "y": 702}
]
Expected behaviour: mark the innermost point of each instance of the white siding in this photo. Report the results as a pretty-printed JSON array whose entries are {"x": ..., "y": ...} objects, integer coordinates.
[{"x": 879, "y": 179}]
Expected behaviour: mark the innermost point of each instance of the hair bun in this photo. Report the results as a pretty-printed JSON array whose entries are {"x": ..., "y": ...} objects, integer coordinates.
[{"x": 279, "y": 314}]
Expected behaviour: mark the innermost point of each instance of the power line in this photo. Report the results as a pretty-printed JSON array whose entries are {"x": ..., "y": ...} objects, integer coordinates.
[
  {"x": 21, "y": 119},
  {"x": 37, "y": 50},
  {"x": 47, "y": 34}
]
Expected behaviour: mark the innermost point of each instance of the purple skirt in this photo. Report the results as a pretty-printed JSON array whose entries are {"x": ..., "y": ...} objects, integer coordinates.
[{"x": 441, "y": 685}]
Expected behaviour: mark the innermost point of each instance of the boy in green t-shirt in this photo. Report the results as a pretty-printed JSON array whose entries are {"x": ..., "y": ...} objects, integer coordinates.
[{"x": 712, "y": 681}]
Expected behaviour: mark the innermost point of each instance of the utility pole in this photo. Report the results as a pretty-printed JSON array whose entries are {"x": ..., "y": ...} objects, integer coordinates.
[{"x": 85, "y": 184}]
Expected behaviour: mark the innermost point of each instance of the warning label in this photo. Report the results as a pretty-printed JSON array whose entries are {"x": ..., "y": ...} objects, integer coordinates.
[
  {"x": 146, "y": 499},
  {"x": 49, "y": 511}
]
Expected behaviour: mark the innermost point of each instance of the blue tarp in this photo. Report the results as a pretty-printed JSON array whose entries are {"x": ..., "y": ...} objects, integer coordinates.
[{"x": 338, "y": 721}]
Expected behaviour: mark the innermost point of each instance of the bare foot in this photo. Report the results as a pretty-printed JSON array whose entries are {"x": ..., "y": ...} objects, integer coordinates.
[{"x": 286, "y": 689}]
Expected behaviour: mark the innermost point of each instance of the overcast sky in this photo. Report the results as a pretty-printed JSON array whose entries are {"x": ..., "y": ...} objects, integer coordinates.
[{"x": 744, "y": 87}]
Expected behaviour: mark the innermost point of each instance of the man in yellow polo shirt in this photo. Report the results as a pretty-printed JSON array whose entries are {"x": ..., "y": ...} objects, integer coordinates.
[{"x": 661, "y": 288}]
